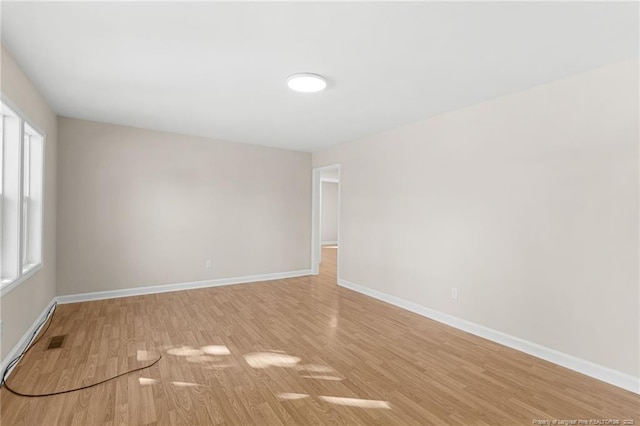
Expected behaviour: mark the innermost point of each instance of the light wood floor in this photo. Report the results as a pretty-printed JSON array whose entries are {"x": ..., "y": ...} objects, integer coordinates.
[{"x": 295, "y": 351}]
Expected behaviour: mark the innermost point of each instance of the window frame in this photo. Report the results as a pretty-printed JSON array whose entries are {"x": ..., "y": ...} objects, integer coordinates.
[{"x": 24, "y": 275}]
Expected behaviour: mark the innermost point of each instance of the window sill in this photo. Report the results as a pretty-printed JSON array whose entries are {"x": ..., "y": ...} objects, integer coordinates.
[
  {"x": 31, "y": 271},
  {"x": 28, "y": 267}
]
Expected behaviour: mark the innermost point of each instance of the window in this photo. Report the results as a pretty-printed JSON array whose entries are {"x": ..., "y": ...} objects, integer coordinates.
[
  {"x": 32, "y": 168},
  {"x": 21, "y": 198}
]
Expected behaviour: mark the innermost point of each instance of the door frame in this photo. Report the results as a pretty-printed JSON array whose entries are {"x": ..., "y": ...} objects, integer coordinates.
[{"x": 316, "y": 214}]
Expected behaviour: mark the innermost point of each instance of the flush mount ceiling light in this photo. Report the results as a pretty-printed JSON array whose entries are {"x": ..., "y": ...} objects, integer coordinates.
[{"x": 306, "y": 82}]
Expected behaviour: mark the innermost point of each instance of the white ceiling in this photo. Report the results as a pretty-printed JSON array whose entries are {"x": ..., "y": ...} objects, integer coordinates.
[{"x": 219, "y": 69}]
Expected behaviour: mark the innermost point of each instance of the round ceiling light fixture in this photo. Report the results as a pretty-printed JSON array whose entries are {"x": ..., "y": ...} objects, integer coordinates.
[{"x": 306, "y": 82}]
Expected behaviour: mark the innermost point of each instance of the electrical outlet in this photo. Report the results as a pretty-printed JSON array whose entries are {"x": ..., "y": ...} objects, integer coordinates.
[
  {"x": 454, "y": 293},
  {"x": 209, "y": 264}
]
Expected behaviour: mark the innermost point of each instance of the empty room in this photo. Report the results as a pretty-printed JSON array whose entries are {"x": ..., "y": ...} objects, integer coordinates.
[{"x": 310, "y": 213}]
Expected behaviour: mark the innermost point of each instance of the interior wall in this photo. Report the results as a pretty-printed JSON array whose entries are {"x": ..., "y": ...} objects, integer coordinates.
[
  {"x": 140, "y": 208},
  {"x": 329, "y": 215},
  {"x": 527, "y": 204},
  {"x": 22, "y": 306}
]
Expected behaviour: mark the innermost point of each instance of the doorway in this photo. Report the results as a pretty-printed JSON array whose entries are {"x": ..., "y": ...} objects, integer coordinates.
[{"x": 325, "y": 219}]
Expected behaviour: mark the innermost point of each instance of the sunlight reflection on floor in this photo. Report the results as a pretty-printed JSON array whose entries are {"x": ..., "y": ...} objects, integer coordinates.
[
  {"x": 145, "y": 381},
  {"x": 315, "y": 368},
  {"x": 209, "y": 356},
  {"x": 215, "y": 350},
  {"x": 185, "y": 351},
  {"x": 145, "y": 356},
  {"x": 185, "y": 384},
  {"x": 204, "y": 354},
  {"x": 318, "y": 377},
  {"x": 357, "y": 402},
  {"x": 270, "y": 359},
  {"x": 210, "y": 366},
  {"x": 201, "y": 358},
  {"x": 289, "y": 396},
  {"x": 349, "y": 402}
]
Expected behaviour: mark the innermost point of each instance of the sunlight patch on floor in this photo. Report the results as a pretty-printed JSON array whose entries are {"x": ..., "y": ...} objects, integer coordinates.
[
  {"x": 337, "y": 400},
  {"x": 201, "y": 358},
  {"x": 215, "y": 350},
  {"x": 356, "y": 402},
  {"x": 145, "y": 356},
  {"x": 315, "y": 368},
  {"x": 185, "y": 384},
  {"x": 318, "y": 377},
  {"x": 184, "y": 351},
  {"x": 270, "y": 359},
  {"x": 212, "y": 366},
  {"x": 289, "y": 396},
  {"x": 206, "y": 353},
  {"x": 146, "y": 381}
]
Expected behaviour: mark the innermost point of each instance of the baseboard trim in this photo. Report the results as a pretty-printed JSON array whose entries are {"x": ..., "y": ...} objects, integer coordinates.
[
  {"x": 571, "y": 362},
  {"x": 24, "y": 340},
  {"x": 605, "y": 374},
  {"x": 113, "y": 294},
  {"x": 329, "y": 243},
  {"x": 165, "y": 288}
]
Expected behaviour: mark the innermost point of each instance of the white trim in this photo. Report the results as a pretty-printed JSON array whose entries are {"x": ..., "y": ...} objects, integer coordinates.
[
  {"x": 6, "y": 288},
  {"x": 605, "y": 374},
  {"x": 339, "y": 221},
  {"x": 43, "y": 188},
  {"x": 316, "y": 209},
  {"x": 321, "y": 196},
  {"x": 328, "y": 167},
  {"x": 21, "y": 114},
  {"x": 112, "y": 294},
  {"x": 24, "y": 340},
  {"x": 137, "y": 291},
  {"x": 25, "y": 120},
  {"x": 329, "y": 180},
  {"x": 320, "y": 231}
]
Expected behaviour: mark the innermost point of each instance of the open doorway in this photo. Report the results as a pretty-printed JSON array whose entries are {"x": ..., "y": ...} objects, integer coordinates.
[{"x": 326, "y": 221}]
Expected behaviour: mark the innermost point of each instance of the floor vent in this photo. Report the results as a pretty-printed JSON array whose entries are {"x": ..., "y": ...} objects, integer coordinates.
[{"x": 56, "y": 342}]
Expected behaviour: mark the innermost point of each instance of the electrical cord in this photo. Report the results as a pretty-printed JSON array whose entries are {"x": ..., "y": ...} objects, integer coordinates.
[
  {"x": 48, "y": 320},
  {"x": 29, "y": 345}
]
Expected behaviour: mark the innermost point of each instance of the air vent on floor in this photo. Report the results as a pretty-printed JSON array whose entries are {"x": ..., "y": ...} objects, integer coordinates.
[{"x": 56, "y": 342}]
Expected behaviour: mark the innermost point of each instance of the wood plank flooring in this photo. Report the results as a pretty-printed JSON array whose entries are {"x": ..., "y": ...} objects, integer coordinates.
[{"x": 296, "y": 351}]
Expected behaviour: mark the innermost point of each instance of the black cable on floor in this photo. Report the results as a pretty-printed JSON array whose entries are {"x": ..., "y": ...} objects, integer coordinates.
[
  {"x": 26, "y": 349},
  {"x": 30, "y": 345}
]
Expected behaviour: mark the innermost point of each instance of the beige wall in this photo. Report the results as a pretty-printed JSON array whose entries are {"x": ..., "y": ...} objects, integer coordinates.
[
  {"x": 329, "y": 212},
  {"x": 140, "y": 208},
  {"x": 528, "y": 204},
  {"x": 21, "y": 306}
]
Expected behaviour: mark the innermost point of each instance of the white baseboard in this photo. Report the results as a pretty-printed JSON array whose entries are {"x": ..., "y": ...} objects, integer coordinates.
[
  {"x": 329, "y": 243},
  {"x": 137, "y": 291},
  {"x": 112, "y": 294},
  {"x": 24, "y": 340},
  {"x": 605, "y": 374}
]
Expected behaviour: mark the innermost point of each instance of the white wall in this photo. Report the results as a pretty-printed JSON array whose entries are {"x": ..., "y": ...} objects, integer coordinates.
[
  {"x": 528, "y": 204},
  {"x": 22, "y": 306},
  {"x": 140, "y": 208},
  {"x": 329, "y": 214}
]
